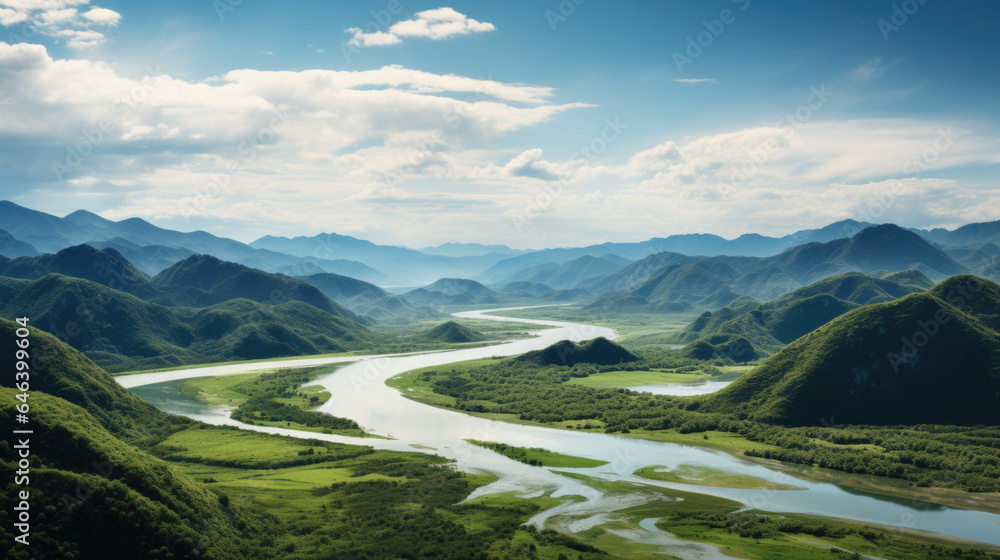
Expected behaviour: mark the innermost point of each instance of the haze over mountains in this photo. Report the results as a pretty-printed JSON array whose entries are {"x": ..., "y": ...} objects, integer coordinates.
[{"x": 26, "y": 232}]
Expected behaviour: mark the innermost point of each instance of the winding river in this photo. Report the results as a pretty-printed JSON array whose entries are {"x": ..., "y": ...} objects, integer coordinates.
[{"x": 359, "y": 392}]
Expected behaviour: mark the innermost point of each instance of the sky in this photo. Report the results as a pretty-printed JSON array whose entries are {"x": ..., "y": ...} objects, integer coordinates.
[{"x": 527, "y": 123}]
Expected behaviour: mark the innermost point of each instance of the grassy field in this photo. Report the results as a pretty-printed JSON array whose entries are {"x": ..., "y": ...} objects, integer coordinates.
[
  {"x": 633, "y": 378},
  {"x": 410, "y": 386},
  {"x": 350, "y": 493},
  {"x": 539, "y": 457},
  {"x": 217, "y": 390},
  {"x": 707, "y": 476}
]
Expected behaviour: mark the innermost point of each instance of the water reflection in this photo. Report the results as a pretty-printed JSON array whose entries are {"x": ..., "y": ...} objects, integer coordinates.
[{"x": 359, "y": 392}]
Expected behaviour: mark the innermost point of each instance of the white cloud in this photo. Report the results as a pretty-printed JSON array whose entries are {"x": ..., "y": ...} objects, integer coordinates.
[
  {"x": 697, "y": 80},
  {"x": 103, "y": 16},
  {"x": 376, "y": 39},
  {"x": 436, "y": 24},
  {"x": 324, "y": 135},
  {"x": 60, "y": 19}
]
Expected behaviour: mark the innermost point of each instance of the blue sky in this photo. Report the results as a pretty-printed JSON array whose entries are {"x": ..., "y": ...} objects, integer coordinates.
[{"x": 527, "y": 123}]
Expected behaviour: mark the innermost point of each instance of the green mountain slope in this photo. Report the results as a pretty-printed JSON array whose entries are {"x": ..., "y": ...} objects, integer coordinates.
[
  {"x": 202, "y": 280},
  {"x": 107, "y": 267},
  {"x": 929, "y": 357},
  {"x": 66, "y": 373},
  {"x": 599, "y": 351},
  {"x": 93, "y": 496},
  {"x": 701, "y": 283},
  {"x": 769, "y": 326},
  {"x": 369, "y": 300},
  {"x": 450, "y": 331},
  {"x": 451, "y": 291},
  {"x": 120, "y": 331}
]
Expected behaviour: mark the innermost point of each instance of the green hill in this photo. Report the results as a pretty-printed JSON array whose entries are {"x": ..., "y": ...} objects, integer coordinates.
[
  {"x": 450, "y": 331},
  {"x": 672, "y": 284},
  {"x": 929, "y": 357},
  {"x": 202, "y": 280},
  {"x": 66, "y": 373},
  {"x": 93, "y": 496},
  {"x": 120, "y": 331},
  {"x": 747, "y": 331},
  {"x": 599, "y": 351},
  {"x": 87, "y": 429},
  {"x": 107, "y": 267},
  {"x": 369, "y": 300}
]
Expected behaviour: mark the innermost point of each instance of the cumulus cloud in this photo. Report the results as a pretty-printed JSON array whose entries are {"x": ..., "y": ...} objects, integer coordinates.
[
  {"x": 437, "y": 24},
  {"x": 62, "y": 19},
  {"x": 530, "y": 164},
  {"x": 326, "y": 135}
]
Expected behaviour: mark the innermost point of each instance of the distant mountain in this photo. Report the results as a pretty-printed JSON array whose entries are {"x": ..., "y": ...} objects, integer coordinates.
[
  {"x": 471, "y": 250},
  {"x": 43, "y": 231},
  {"x": 569, "y": 274},
  {"x": 690, "y": 284},
  {"x": 635, "y": 274},
  {"x": 989, "y": 269},
  {"x": 599, "y": 351},
  {"x": 150, "y": 259},
  {"x": 107, "y": 267},
  {"x": 403, "y": 263},
  {"x": 50, "y": 234},
  {"x": 346, "y": 290},
  {"x": 120, "y": 331},
  {"x": 452, "y": 332},
  {"x": 893, "y": 248},
  {"x": 452, "y": 291},
  {"x": 746, "y": 330},
  {"x": 749, "y": 244},
  {"x": 369, "y": 300},
  {"x": 13, "y": 248},
  {"x": 974, "y": 255},
  {"x": 970, "y": 234},
  {"x": 677, "y": 288},
  {"x": 203, "y": 280},
  {"x": 930, "y": 357},
  {"x": 526, "y": 290}
]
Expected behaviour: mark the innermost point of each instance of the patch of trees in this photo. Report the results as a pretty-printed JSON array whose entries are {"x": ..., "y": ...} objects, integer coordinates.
[{"x": 960, "y": 457}]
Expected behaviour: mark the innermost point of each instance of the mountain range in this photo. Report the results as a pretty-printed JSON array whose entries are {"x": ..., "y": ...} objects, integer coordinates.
[
  {"x": 678, "y": 283},
  {"x": 746, "y": 329},
  {"x": 28, "y": 232},
  {"x": 50, "y": 234},
  {"x": 929, "y": 357}
]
